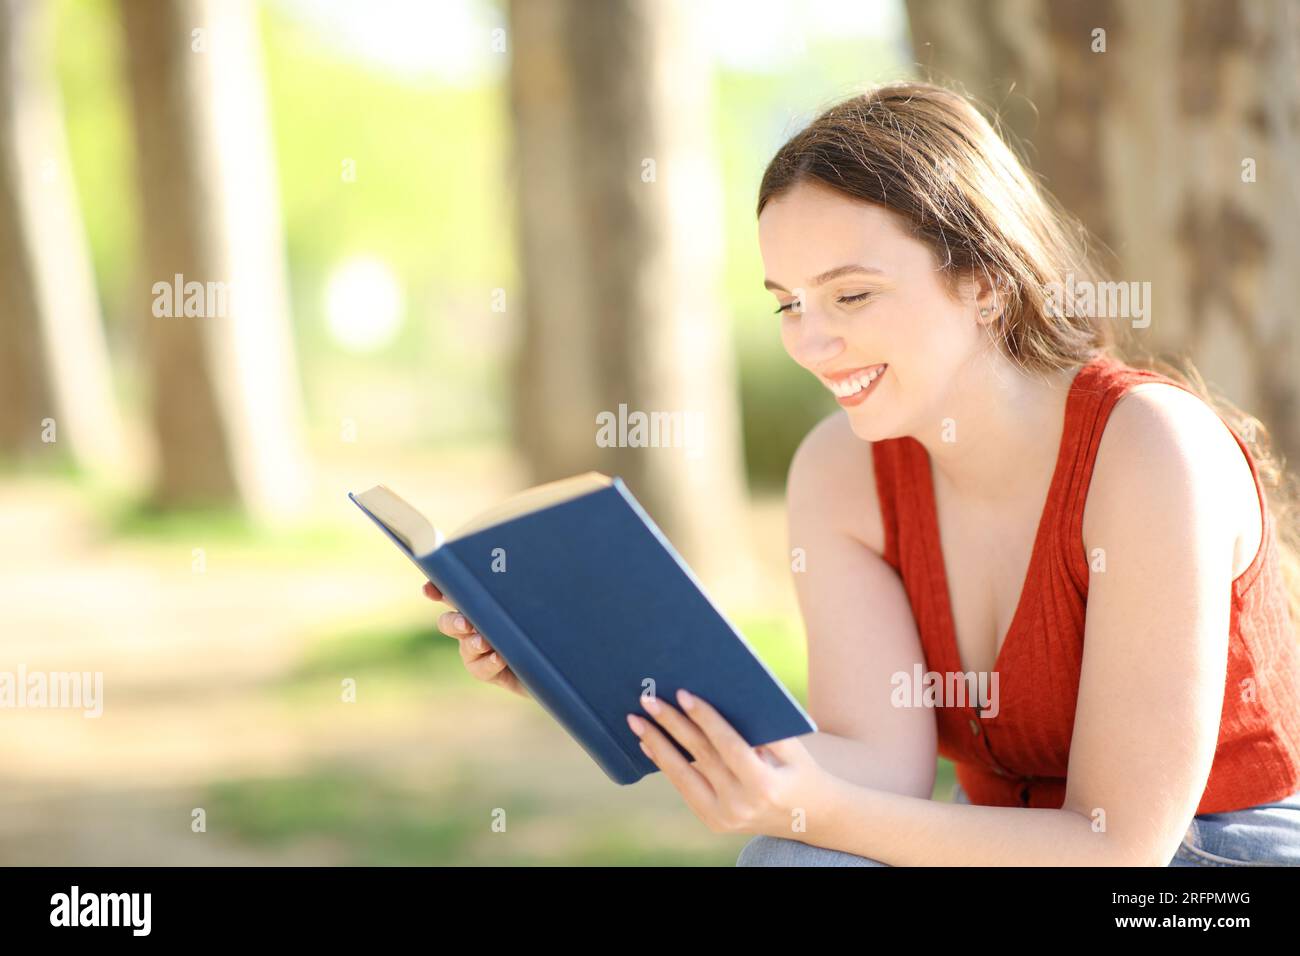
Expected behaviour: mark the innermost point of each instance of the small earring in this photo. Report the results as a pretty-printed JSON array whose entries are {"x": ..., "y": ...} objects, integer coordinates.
[{"x": 984, "y": 311}]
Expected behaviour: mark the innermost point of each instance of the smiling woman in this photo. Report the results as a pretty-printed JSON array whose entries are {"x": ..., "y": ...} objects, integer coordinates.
[{"x": 1003, "y": 492}]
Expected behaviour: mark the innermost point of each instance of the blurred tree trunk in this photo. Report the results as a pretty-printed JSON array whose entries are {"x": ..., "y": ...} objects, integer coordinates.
[
  {"x": 1152, "y": 144},
  {"x": 620, "y": 243},
  {"x": 225, "y": 401},
  {"x": 55, "y": 393}
]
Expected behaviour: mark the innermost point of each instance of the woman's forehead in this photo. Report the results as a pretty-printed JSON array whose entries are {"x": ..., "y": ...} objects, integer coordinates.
[{"x": 805, "y": 234}]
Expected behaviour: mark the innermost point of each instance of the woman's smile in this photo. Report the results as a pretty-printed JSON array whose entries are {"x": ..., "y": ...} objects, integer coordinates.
[{"x": 852, "y": 386}]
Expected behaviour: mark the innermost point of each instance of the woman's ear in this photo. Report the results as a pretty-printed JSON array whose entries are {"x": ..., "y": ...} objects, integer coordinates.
[{"x": 987, "y": 295}]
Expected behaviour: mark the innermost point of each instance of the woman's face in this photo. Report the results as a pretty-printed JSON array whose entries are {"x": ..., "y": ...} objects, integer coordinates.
[{"x": 873, "y": 302}]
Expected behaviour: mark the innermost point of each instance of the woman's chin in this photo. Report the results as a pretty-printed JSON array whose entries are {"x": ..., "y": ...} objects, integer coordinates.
[{"x": 869, "y": 427}]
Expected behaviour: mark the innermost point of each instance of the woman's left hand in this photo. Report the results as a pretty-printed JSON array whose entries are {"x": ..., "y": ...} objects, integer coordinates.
[{"x": 731, "y": 786}]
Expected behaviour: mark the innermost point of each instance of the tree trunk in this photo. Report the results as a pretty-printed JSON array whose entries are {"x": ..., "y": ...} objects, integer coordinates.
[
  {"x": 1152, "y": 143},
  {"x": 620, "y": 244},
  {"x": 225, "y": 399},
  {"x": 56, "y": 399}
]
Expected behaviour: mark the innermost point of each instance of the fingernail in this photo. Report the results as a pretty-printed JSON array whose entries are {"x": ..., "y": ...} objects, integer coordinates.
[
  {"x": 636, "y": 723},
  {"x": 685, "y": 699},
  {"x": 650, "y": 704},
  {"x": 477, "y": 642},
  {"x": 460, "y": 623}
]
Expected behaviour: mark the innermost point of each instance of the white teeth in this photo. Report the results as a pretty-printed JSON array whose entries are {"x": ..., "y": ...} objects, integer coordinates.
[{"x": 857, "y": 383}]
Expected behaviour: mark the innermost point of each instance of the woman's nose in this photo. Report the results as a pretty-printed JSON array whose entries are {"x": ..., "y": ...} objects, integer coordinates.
[{"x": 816, "y": 341}]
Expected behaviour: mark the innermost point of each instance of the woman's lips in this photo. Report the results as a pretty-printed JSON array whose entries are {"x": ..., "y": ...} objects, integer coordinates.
[
  {"x": 845, "y": 374},
  {"x": 853, "y": 386}
]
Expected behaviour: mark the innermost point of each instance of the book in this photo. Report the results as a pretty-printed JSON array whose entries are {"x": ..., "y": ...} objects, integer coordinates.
[{"x": 591, "y": 606}]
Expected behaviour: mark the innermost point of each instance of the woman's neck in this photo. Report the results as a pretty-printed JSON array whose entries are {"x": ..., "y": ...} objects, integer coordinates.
[{"x": 998, "y": 431}]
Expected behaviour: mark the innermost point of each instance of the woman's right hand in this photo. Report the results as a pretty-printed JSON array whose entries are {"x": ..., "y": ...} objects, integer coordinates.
[{"x": 482, "y": 662}]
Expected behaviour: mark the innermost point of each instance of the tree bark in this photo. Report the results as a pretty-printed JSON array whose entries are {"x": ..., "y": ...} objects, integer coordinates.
[
  {"x": 620, "y": 244},
  {"x": 1148, "y": 143},
  {"x": 225, "y": 391},
  {"x": 56, "y": 398}
]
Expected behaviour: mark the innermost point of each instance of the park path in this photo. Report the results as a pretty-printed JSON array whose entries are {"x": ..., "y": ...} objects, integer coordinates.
[{"x": 188, "y": 659}]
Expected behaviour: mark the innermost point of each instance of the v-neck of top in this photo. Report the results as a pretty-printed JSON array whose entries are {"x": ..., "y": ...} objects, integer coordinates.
[
  {"x": 1016, "y": 753},
  {"x": 934, "y": 542}
]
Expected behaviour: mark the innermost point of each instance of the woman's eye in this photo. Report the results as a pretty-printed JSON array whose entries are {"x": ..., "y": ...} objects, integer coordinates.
[{"x": 844, "y": 299}]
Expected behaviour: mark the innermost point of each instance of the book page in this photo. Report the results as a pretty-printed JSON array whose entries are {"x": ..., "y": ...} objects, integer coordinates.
[
  {"x": 401, "y": 518},
  {"x": 535, "y": 499}
]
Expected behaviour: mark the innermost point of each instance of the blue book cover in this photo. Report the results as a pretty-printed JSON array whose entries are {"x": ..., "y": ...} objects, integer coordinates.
[{"x": 591, "y": 606}]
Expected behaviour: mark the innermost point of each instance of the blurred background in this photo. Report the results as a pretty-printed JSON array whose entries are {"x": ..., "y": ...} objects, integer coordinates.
[{"x": 256, "y": 255}]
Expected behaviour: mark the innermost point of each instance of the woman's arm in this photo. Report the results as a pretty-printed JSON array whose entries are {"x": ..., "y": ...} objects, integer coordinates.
[
  {"x": 857, "y": 761},
  {"x": 859, "y": 624},
  {"x": 1162, "y": 505}
]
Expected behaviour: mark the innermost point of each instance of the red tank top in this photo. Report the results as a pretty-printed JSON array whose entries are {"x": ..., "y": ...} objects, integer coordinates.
[{"x": 1019, "y": 756}]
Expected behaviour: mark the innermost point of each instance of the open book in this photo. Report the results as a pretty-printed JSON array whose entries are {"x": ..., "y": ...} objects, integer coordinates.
[{"x": 590, "y": 606}]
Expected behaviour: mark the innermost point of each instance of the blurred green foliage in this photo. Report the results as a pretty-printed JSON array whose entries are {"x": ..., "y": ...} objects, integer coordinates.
[{"x": 431, "y": 198}]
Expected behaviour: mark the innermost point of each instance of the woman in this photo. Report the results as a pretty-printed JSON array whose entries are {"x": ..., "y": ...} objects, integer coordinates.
[{"x": 1060, "y": 571}]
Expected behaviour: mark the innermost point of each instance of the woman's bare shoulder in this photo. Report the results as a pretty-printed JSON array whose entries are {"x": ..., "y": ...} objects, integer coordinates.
[
  {"x": 1171, "y": 432},
  {"x": 832, "y": 483}
]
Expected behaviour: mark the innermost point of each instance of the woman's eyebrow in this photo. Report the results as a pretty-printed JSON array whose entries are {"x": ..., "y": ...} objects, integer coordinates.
[{"x": 826, "y": 276}]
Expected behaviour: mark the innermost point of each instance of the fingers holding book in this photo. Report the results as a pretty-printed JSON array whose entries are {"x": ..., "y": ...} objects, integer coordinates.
[
  {"x": 485, "y": 664},
  {"x": 479, "y": 658},
  {"x": 455, "y": 624},
  {"x": 452, "y": 623}
]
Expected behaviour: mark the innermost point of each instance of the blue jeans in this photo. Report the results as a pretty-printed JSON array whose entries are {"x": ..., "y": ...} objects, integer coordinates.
[{"x": 1264, "y": 835}]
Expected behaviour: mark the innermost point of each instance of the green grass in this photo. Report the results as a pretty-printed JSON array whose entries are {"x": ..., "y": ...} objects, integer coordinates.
[
  {"x": 128, "y": 516},
  {"x": 227, "y": 534},
  {"x": 50, "y": 462},
  {"x": 616, "y": 845},
  {"x": 137, "y": 518},
  {"x": 368, "y": 820},
  {"x": 365, "y": 820},
  {"x": 392, "y": 660}
]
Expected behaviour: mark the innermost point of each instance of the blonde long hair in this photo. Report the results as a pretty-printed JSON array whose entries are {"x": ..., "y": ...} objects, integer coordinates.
[{"x": 929, "y": 155}]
